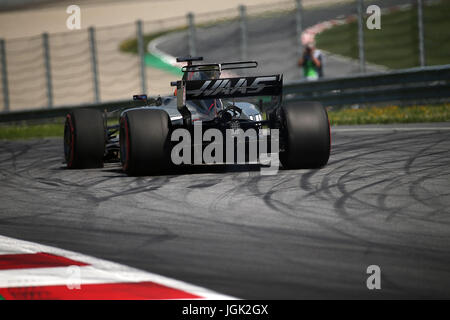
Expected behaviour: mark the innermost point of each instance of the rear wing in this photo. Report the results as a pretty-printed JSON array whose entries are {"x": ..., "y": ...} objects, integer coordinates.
[
  {"x": 234, "y": 87},
  {"x": 218, "y": 66},
  {"x": 223, "y": 87},
  {"x": 226, "y": 88}
]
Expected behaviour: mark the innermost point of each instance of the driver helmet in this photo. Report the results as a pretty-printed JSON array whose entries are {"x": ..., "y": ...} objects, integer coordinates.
[{"x": 202, "y": 73}]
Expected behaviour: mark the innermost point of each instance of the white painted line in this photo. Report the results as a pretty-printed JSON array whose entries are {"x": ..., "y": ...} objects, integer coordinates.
[
  {"x": 98, "y": 271},
  {"x": 167, "y": 58}
]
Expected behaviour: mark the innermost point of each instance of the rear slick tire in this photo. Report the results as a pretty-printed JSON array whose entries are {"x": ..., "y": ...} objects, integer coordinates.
[
  {"x": 306, "y": 131},
  {"x": 84, "y": 139},
  {"x": 145, "y": 142}
]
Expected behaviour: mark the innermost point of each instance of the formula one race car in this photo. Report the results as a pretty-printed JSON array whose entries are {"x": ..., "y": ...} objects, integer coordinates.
[{"x": 147, "y": 139}]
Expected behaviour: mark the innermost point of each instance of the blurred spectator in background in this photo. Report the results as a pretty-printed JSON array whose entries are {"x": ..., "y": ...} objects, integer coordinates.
[{"x": 311, "y": 62}]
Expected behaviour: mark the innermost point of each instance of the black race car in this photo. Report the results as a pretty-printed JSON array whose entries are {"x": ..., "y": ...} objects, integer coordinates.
[{"x": 144, "y": 143}]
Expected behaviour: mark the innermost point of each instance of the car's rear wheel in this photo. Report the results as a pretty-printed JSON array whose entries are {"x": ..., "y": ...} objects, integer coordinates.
[
  {"x": 306, "y": 134},
  {"x": 145, "y": 141},
  {"x": 84, "y": 139}
]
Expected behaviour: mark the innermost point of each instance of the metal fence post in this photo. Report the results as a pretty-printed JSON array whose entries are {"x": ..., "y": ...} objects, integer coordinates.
[
  {"x": 192, "y": 35},
  {"x": 299, "y": 24},
  {"x": 421, "y": 33},
  {"x": 4, "y": 76},
  {"x": 48, "y": 73},
  {"x": 141, "y": 51},
  {"x": 93, "y": 47},
  {"x": 244, "y": 30},
  {"x": 362, "y": 58}
]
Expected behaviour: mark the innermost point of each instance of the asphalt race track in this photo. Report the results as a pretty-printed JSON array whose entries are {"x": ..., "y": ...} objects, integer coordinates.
[{"x": 383, "y": 199}]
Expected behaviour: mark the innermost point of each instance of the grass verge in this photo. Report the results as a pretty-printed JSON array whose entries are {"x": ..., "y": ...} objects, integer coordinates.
[
  {"x": 130, "y": 45},
  {"x": 28, "y": 131},
  {"x": 390, "y": 114},
  {"x": 396, "y": 44}
]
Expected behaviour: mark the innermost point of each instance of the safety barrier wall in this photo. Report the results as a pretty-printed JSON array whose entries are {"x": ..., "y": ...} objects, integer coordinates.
[{"x": 416, "y": 85}]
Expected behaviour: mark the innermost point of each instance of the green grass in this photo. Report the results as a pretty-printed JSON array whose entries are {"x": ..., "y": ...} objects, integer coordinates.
[
  {"x": 396, "y": 44},
  {"x": 27, "y": 131},
  {"x": 130, "y": 45},
  {"x": 390, "y": 114}
]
